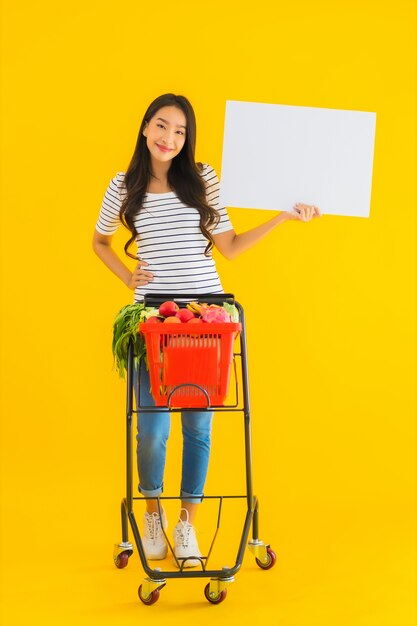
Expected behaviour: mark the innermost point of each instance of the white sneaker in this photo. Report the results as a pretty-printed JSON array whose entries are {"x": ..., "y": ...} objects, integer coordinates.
[
  {"x": 153, "y": 538},
  {"x": 185, "y": 544}
]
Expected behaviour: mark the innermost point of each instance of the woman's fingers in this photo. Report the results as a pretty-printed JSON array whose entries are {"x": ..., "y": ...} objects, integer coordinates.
[
  {"x": 142, "y": 276},
  {"x": 301, "y": 210},
  {"x": 143, "y": 273},
  {"x": 306, "y": 211}
]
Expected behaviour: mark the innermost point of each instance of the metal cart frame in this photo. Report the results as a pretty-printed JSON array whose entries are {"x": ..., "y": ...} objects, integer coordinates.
[{"x": 216, "y": 590}]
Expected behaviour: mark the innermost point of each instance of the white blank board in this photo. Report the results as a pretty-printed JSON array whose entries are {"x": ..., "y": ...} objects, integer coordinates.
[{"x": 276, "y": 155}]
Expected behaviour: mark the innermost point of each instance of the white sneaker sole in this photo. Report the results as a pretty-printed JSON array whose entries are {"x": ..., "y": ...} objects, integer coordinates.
[{"x": 190, "y": 562}]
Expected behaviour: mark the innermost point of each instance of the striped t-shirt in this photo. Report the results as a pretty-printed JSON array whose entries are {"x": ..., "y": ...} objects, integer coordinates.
[{"x": 169, "y": 238}]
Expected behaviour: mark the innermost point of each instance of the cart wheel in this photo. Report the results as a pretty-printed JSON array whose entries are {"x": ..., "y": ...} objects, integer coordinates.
[
  {"x": 272, "y": 557},
  {"x": 122, "y": 559},
  {"x": 216, "y": 600},
  {"x": 151, "y": 599}
]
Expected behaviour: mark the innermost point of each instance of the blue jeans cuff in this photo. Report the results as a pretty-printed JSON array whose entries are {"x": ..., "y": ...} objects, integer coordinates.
[
  {"x": 191, "y": 497},
  {"x": 152, "y": 493}
]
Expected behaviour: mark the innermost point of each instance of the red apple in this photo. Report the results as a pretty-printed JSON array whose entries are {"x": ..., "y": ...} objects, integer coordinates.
[
  {"x": 184, "y": 315},
  {"x": 154, "y": 320},
  {"x": 168, "y": 308}
]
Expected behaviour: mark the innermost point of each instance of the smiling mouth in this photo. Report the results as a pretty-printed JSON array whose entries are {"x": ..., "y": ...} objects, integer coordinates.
[{"x": 164, "y": 149}]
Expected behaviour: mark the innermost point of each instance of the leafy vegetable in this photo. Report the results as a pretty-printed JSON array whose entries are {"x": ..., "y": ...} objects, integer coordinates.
[
  {"x": 125, "y": 327},
  {"x": 232, "y": 310}
]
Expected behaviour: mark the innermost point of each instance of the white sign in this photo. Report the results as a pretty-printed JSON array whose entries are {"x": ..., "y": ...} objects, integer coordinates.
[{"x": 276, "y": 155}]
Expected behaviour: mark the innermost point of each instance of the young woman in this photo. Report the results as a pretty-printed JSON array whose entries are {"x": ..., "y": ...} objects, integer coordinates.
[{"x": 170, "y": 204}]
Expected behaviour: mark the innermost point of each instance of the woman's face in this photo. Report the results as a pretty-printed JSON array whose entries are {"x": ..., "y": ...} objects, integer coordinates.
[{"x": 165, "y": 133}]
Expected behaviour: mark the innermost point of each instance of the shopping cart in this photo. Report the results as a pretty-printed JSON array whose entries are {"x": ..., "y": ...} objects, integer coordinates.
[{"x": 190, "y": 366}]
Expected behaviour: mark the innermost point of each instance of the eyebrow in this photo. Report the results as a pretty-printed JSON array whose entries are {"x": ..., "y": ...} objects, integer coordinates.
[{"x": 166, "y": 122}]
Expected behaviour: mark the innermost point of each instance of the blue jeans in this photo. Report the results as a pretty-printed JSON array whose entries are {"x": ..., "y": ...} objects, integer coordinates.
[{"x": 152, "y": 435}]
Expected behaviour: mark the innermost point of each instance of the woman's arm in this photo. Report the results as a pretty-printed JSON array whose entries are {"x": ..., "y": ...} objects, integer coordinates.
[
  {"x": 102, "y": 247},
  {"x": 230, "y": 245}
]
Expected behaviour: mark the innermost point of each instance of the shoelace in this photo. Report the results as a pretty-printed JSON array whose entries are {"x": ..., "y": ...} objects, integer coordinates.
[
  {"x": 183, "y": 533},
  {"x": 153, "y": 521}
]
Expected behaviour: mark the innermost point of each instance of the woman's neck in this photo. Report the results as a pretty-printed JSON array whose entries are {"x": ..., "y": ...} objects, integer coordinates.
[
  {"x": 159, "y": 177},
  {"x": 160, "y": 171}
]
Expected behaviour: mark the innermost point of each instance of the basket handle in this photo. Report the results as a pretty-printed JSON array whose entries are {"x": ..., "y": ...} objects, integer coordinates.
[
  {"x": 188, "y": 385},
  {"x": 150, "y": 299}
]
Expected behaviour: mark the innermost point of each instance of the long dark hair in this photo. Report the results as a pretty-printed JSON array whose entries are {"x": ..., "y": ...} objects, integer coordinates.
[{"x": 184, "y": 174}]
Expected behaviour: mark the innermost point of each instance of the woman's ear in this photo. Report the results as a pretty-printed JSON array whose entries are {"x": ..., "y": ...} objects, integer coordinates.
[{"x": 145, "y": 128}]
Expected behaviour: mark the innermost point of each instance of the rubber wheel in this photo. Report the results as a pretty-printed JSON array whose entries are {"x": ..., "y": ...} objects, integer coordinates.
[
  {"x": 151, "y": 599},
  {"x": 222, "y": 595},
  {"x": 121, "y": 560},
  {"x": 272, "y": 557}
]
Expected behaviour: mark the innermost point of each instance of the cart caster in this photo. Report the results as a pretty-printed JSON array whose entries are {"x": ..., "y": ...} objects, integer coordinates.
[
  {"x": 214, "y": 599},
  {"x": 269, "y": 560},
  {"x": 121, "y": 560},
  {"x": 216, "y": 591},
  {"x": 121, "y": 554},
  {"x": 151, "y": 598},
  {"x": 265, "y": 557},
  {"x": 148, "y": 591}
]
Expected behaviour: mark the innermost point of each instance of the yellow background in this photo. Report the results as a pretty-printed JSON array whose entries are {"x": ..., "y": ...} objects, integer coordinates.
[{"x": 330, "y": 308}]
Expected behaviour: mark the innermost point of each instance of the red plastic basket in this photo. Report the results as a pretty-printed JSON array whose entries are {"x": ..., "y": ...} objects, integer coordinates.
[{"x": 185, "y": 359}]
